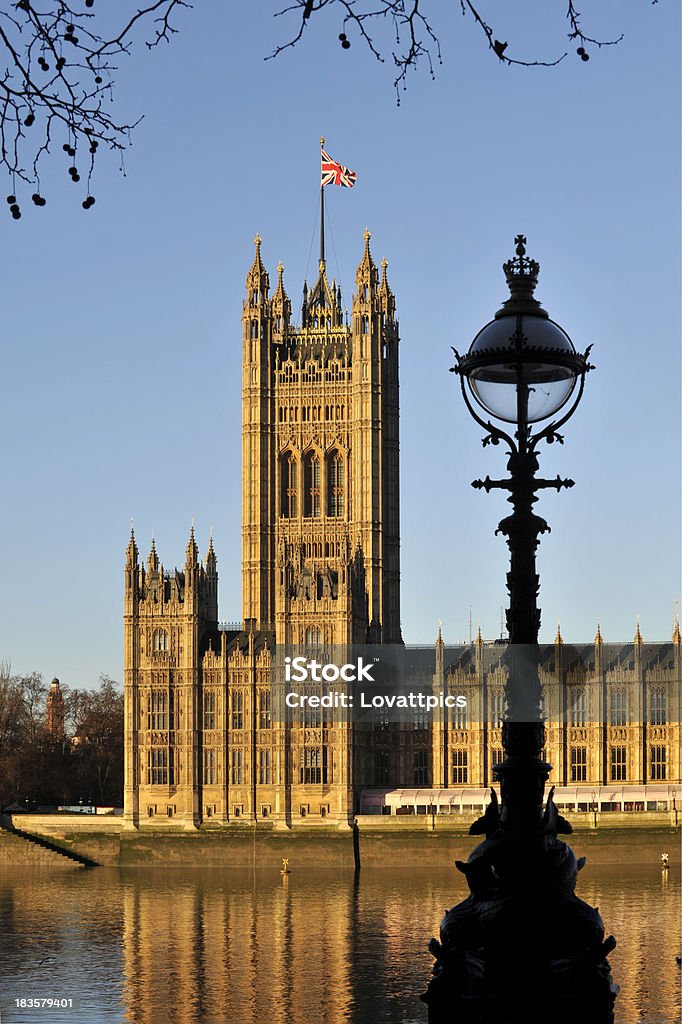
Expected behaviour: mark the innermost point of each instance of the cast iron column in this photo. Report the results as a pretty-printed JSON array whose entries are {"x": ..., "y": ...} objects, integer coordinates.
[{"x": 522, "y": 948}]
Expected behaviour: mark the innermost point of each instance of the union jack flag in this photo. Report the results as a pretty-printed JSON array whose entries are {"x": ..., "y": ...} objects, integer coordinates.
[{"x": 336, "y": 174}]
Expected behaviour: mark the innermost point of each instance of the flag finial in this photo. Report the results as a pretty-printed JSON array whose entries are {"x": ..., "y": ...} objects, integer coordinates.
[{"x": 322, "y": 140}]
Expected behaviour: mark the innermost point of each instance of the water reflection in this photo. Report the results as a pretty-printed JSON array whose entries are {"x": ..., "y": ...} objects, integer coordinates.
[{"x": 212, "y": 945}]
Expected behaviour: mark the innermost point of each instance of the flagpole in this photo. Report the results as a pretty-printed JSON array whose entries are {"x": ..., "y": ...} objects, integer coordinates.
[{"x": 321, "y": 212}]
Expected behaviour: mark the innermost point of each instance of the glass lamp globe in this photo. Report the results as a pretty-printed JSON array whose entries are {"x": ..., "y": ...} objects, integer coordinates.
[{"x": 521, "y": 367}]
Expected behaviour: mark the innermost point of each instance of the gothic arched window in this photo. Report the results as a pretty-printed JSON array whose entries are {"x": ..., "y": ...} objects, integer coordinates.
[
  {"x": 578, "y": 707},
  {"x": 311, "y": 485},
  {"x": 313, "y": 638},
  {"x": 289, "y": 491},
  {"x": 336, "y": 480},
  {"x": 659, "y": 709},
  {"x": 160, "y": 640},
  {"x": 618, "y": 706}
]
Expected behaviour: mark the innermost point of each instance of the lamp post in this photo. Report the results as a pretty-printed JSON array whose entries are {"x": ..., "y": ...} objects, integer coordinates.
[{"x": 522, "y": 948}]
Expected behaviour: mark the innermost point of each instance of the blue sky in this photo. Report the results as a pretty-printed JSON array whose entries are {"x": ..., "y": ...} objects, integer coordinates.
[{"x": 121, "y": 358}]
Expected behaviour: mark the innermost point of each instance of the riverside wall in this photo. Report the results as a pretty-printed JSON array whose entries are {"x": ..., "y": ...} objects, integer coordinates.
[{"x": 419, "y": 842}]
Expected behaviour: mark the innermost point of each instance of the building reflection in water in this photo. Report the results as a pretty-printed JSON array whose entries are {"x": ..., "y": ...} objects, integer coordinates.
[
  {"x": 155, "y": 946},
  {"x": 212, "y": 946},
  {"x": 247, "y": 948}
]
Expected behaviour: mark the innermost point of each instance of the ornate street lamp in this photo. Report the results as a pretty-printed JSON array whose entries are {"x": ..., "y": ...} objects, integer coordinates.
[{"x": 522, "y": 948}]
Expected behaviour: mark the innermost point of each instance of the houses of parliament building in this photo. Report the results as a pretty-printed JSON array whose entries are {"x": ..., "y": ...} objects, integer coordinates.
[{"x": 320, "y": 569}]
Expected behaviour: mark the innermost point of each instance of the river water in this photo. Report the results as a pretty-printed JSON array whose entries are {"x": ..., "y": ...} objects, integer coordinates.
[{"x": 182, "y": 946}]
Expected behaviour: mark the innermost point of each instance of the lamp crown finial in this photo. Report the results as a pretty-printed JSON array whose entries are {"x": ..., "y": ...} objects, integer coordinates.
[{"x": 522, "y": 277}]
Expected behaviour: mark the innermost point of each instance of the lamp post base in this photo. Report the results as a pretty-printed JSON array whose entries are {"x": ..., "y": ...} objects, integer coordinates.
[{"x": 522, "y": 948}]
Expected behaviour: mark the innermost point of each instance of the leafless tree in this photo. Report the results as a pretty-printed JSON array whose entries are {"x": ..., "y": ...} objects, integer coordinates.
[
  {"x": 22, "y": 718},
  {"x": 60, "y": 63},
  {"x": 99, "y": 735},
  {"x": 415, "y": 37},
  {"x": 88, "y": 763}
]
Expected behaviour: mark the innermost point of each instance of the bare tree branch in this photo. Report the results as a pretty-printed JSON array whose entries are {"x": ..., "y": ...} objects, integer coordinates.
[
  {"x": 415, "y": 37},
  {"x": 57, "y": 74}
]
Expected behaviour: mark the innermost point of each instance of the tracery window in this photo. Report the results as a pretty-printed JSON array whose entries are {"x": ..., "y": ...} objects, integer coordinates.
[
  {"x": 289, "y": 489},
  {"x": 157, "y": 766},
  {"x": 420, "y": 719},
  {"x": 313, "y": 765},
  {"x": 619, "y": 764},
  {"x": 420, "y": 768},
  {"x": 618, "y": 707},
  {"x": 237, "y": 710},
  {"x": 659, "y": 706},
  {"x": 264, "y": 720},
  {"x": 264, "y": 768},
  {"x": 160, "y": 640},
  {"x": 157, "y": 713},
  {"x": 311, "y": 485},
  {"x": 578, "y": 764},
  {"x": 336, "y": 484},
  {"x": 460, "y": 767},
  {"x": 313, "y": 639},
  {"x": 209, "y": 709},
  {"x": 496, "y": 709},
  {"x": 459, "y": 717},
  {"x": 237, "y": 773},
  {"x": 578, "y": 707},
  {"x": 658, "y": 758},
  {"x": 311, "y": 718},
  {"x": 210, "y": 767}
]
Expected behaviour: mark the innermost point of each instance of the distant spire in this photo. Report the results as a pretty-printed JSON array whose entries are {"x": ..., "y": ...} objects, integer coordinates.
[
  {"x": 677, "y": 637},
  {"x": 558, "y": 639},
  {"x": 367, "y": 255},
  {"x": 192, "y": 552},
  {"x": 439, "y": 639},
  {"x": 367, "y": 266},
  {"x": 211, "y": 559},
  {"x": 131, "y": 550},
  {"x": 153, "y": 560},
  {"x": 257, "y": 277},
  {"x": 598, "y": 640},
  {"x": 479, "y": 637},
  {"x": 281, "y": 305},
  {"x": 638, "y": 634}
]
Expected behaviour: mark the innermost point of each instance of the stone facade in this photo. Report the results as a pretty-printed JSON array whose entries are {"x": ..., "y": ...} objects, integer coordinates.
[
  {"x": 612, "y": 714},
  {"x": 321, "y": 569}
]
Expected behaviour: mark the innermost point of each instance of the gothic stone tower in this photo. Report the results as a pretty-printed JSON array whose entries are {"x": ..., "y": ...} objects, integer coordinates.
[
  {"x": 320, "y": 489},
  {"x": 320, "y": 567},
  {"x": 170, "y": 618}
]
